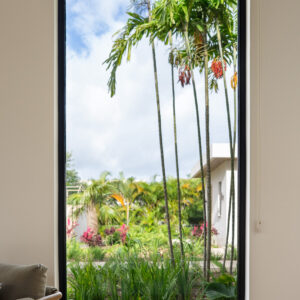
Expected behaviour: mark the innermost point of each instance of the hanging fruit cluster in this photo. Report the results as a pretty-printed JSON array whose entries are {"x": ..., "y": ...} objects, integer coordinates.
[
  {"x": 184, "y": 75},
  {"x": 198, "y": 41},
  {"x": 216, "y": 67},
  {"x": 234, "y": 80}
]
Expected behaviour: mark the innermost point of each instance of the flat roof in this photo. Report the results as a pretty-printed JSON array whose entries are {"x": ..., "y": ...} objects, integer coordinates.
[{"x": 219, "y": 152}]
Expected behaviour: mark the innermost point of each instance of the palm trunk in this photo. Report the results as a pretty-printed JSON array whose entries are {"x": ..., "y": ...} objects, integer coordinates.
[
  {"x": 161, "y": 144},
  {"x": 127, "y": 213},
  {"x": 92, "y": 218},
  {"x": 187, "y": 45},
  {"x": 176, "y": 155},
  {"x": 208, "y": 172},
  {"x": 232, "y": 148}
]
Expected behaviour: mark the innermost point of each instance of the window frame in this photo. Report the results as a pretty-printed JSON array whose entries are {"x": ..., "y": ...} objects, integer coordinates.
[{"x": 242, "y": 171}]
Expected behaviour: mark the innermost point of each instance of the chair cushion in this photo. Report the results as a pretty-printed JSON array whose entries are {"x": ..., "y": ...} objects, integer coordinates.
[{"x": 20, "y": 281}]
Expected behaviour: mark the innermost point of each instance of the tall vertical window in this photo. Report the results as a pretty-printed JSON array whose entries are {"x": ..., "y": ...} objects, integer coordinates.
[{"x": 154, "y": 178}]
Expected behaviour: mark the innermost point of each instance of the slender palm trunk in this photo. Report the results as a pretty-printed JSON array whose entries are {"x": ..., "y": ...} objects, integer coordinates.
[
  {"x": 208, "y": 172},
  {"x": 176, "y": 155},
  {"x": 233, "y": 150},
  {"x": 232, "y": 154},
  {"x": 127, "y": 213},
  {"x": 187, "y": 45},
  {"x": 161, "y": 144},
  {"x": 92, "y": 218}
]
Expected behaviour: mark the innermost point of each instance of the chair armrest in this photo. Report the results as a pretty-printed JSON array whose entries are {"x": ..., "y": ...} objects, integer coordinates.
[{"x": 55, "y": 296}]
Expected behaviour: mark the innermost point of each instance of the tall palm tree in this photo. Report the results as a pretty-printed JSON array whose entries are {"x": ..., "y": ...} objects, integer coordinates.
[
  {"x": 223, "y": 16},
  {"x": 132, "y": 33},
  {"x": 176, "y": 148},
  {"x": 161, "y": 141},
  {"x": 176, "y": 16}
]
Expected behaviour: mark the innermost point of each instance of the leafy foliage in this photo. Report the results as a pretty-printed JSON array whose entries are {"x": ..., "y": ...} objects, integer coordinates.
[
  {"x": 72, "y": 177},
  {"x": 223, "y": 287}
]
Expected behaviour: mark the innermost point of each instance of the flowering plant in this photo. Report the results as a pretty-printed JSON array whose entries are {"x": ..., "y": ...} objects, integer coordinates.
[
  {"x": 110, "y": 231},
  {"x": 90, "y": 238},
  {"x": 70, "y": 227},
  {"x": 198, "y": 231},
  {"x": 123, "y": 232}
]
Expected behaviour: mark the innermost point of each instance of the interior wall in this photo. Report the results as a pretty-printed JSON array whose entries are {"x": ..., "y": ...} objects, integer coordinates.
[
  {"x": 274, "y": 147},
  {"x": 27, "y": 135}
]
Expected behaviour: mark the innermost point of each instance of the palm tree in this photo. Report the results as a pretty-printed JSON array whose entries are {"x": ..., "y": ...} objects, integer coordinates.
[
  {"x": 94, "y": 197},
  {"x": 175, "y": 16},
  {"x": 132, "y": 33},
  {"x": 176, "y": 148},
  {"x": 201, "y": 14},
  {"x": 223, "y": 16},
  {"x": 160, "y": 141},
  {"x": 125, "y": 192}
]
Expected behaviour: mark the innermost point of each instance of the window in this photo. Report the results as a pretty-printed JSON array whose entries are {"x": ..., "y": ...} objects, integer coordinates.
[{"x": 116, "y": 193}]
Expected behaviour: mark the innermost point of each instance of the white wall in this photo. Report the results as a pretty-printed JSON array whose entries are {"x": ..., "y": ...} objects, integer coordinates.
[
  {"x": 27, "y": 135},
  {"x": 222, "y": 174},
  {"x": 274, "y": 148}
]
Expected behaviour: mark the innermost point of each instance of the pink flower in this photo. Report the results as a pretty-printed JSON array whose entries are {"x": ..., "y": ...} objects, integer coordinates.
[
  {"x": 123, "y": 232},
  {"x": 70, "y": 228},
  {"x": 90, "y": 238}
]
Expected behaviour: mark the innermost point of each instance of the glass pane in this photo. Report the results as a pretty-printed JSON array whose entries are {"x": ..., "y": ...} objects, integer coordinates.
[{"x": 152, "y": 160}]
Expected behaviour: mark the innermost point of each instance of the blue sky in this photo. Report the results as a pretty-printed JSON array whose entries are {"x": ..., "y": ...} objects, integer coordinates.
[{"x": 121, "y": 134}]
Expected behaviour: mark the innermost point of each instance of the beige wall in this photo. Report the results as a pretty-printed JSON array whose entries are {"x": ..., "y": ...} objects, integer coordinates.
[
  {"x": 27, "y": 185},
  {"x": 274, "y": 165},
  {"x": 27, "y": 132}
]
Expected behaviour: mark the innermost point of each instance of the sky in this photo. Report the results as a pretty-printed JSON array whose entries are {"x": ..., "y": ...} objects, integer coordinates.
[{"x": 121, "y": 133}]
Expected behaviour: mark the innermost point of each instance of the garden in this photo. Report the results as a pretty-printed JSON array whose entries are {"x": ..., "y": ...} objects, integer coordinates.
[{"x": 155, "y": 239}]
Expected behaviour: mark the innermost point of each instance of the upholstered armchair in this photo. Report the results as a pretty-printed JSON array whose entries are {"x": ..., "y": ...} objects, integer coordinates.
[{"x": 25, "y": 282}]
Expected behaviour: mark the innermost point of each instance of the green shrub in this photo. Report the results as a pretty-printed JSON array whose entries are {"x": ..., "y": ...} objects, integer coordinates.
[
  {"x": 194, "y": 213},
  {"x": 127, "y": 276},
  {"x": 95, "y": 253},
  {"x": 113, "y": 238},
  {"x": 74, "y": 251},
  {"x": 222, "y": 287},
  {"x": 86, "y": 282}
]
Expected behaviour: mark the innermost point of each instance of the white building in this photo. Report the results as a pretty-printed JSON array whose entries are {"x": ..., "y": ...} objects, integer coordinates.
[{"x": 220, "y": 180}]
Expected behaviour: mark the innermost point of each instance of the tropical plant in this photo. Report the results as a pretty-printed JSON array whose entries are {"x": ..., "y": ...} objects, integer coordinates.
[
  {"x": 91, "y": 238},
  {"x": 174, "y": 16},
  {"x": 94, "y": 196},
  {"x": 86, "y": 282},
  {"x": 128, "y": 276},
  {"x": 171, "y": 60},
  {"x": 225, "y": 24},
  {"x": 126, "y": 191},
  {"x": 130, "y": 35},
  {"x": 221, "y": 288}
]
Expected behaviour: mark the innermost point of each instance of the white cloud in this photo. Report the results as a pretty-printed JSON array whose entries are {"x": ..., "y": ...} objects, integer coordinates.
[{"x": 121, "y": 134}]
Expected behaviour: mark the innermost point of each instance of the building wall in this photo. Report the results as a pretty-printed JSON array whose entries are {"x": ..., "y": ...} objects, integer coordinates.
[
  {"x": 273, "y": 148},
  {"x": 27, "y": 133},
  {"x": 222, "y": 174}
]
